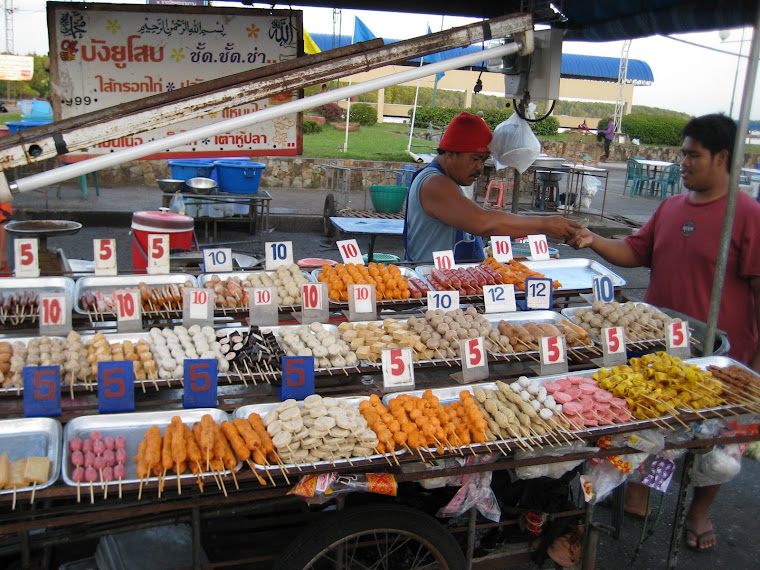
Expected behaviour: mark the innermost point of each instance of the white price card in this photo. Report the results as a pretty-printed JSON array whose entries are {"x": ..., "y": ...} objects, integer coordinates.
[
  {"x": 217, "y": 260},
  {"x": 501, "y": 248},
  {"x": 539, "y": 248},
  {"x": 499, "y": 298},
  {"x": 278, "y": 253},
  {"x": 603, "y": 289},
  {"x": 362, "y": 298},
  {"x": 614, "y": 340},
  {"x": 158, "y": 254},
  {"x": 538, "y": 293},
  {"x": 349, "y": 251},
  {"x": 474, "y": 354},
  {"x": 678, "y": 334},
  {"x": 444, "y": 300},
  {"x": 105, "y": 257},
  {"x": 311, "y": 295},
  {"x": 26, "y": 257},
  {"x": 52, "y": 309},
  {"x": 444, "y": 259},
  {"x": 199, "y": 304},
  {"x": 263, "y": 296},
  {"x": 398, "y": 372},
  {"x": 127, "y": 304},
  {"x": 551, "y": 350}
]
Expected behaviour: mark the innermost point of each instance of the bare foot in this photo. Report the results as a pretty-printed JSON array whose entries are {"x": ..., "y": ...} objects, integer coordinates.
[{"x": 700, "y": 534}]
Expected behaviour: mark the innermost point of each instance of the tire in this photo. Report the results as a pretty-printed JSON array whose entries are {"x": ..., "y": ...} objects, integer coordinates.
[
  {"x": 328, "y": 212},
  {"x": 414, "y": 540}
]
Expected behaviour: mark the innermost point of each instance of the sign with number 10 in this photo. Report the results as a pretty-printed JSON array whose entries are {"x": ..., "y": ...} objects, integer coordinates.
[
  {"x": 278, "y": 253},
  {"x": 501, "y": 248},
  {"x": 349, "y": 251},
  {"x": 539, "y": 248}
]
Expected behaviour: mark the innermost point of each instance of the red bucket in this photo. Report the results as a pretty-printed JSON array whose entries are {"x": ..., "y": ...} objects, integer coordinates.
[{"x": 179, "y": 228}]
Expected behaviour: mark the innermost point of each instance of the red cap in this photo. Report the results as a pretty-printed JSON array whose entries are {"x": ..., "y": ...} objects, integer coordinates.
[{"x": 466, "y": 133}]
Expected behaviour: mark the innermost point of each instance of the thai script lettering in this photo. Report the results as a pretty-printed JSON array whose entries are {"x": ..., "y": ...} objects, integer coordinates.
[
  {"x": 121, "y": 54},
  {"x": 124, "y": 142},
  {"x": 200, "y": 55},
  {"x": 110, "y": 85},
  {"x": 240, "y": 140},
  {"x": 238, "y": 112}
]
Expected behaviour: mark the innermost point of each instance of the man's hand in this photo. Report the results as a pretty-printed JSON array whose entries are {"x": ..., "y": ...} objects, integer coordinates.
[
  {"x": 558, "y": 227},
  {"x": 582, "y": 239}
]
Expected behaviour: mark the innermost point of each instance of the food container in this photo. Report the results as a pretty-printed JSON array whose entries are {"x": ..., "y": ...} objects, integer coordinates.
[
  {"x": 178, "y": 227},
  {"x": 201, "y": 185},
  {"x": 170, "y": 184},
  {"x": 190, "y": 168},
  {"x": 32, "y": 437},
  {"x": 239, "y": 176}
]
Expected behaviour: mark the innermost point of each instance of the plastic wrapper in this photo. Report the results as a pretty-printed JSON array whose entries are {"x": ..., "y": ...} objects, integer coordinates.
[
  {"x": 432, "y": 465},
  {"x": 177, "y": 204},
  {"x": 514, "y": 144},
  {"x": 475, "y": 492},
  {"x": 606, "y": 473},
  {"x": 553, "y": 470},
  {"x": 722, "y": 463},
  {"x": 318, "y": 489}
]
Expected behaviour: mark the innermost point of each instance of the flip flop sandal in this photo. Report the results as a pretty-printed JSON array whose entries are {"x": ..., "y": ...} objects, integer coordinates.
[{"x": 695, "y": 547}]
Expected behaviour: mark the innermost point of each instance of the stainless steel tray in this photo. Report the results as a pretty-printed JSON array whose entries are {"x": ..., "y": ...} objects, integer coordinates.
[
  {"x": 407, "y": 272},
  {"x": 518, "y": 317},
  {"x": 574, "y": 274},
  {"x": 133, "y": 427},
  {"x": 39, "y": 285},
  {"x": 32, "y": 437},
  {"x": 570, "y": 312},
  {"x": 204, "y": 278},
  {"x": 111, "y": 284}
]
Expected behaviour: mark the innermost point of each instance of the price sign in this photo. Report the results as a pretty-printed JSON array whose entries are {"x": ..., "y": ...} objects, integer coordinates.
[
  {"x": 613, "y": 346},
  {"x": 474, "y": 359},
  {"x": 158, "y": 254},
  {"x": 128, "y": 310},
  {"x": 217, "y": 260},
  {"x": 501, "y": 247},
  {"x": 603, "y": 289},
  {"x": 499, "y": 298},
  {"x": 362, "y": 302},
  {"x": 55, "y": 314},
  {"x": 278, "y": 253},
  {"x": 200, "y": 383},
  {"x": 26, "y": 257},
  {"x": 313, "y": 303},
  {"x": 677, "y": 339},
  {"x": 297, "y": 377},
  {"x": 553, "y": 355},
  {"x": 104, "y": 252},
  {"x": 42, "y": 391},
  {"x": 444, "y": 300},
  {"x": 116, "y": 386},
  {"x": 538, "y": 293},
  {"x": 539, "y": 248},
  {"x": 262, "y": 305},
  {"x": 444, "y": 259},
  {"x": 197, "y": 306},
  {"x": 350, "y": 252},
  {"x": 398, "y": 373}
]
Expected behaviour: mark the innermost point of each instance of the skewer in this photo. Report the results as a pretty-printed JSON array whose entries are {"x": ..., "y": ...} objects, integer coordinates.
[
  {"x": 79, "y": 493},
  {"x": 34, "y": 489},
  {"x": 92, "y": 494},
  {"x": 221, "y": 480},
  {"x": 385, "y": 455},
  {"x": 673, "y": 412},
  {"x": 234, "y": 478},
  {"x": 105, "y": 492},
  {"x": 13, "y": 505},
  {"x": 179, "y": 480},
  {"x": 655, "y": 419},
  {"x": 119, "y": 489}
]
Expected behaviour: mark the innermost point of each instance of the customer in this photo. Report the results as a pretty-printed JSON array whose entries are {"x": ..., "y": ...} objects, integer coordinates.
[
  {"x": 680, "y": 245},
  {"x": 606, "y": 135},
  {"x": 437, "y": 208}
]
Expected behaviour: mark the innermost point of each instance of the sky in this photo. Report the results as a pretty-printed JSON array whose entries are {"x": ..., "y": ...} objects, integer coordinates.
[{"x": 690, "y": 79}]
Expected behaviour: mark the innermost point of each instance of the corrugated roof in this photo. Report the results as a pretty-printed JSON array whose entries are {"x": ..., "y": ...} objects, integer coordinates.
[{"x": 573, "y": 65}]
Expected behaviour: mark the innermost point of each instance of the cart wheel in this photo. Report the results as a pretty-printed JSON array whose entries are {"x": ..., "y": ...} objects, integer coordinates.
[
  {"x": 328, "y": 212},
  {"x": 374, "y": 536}
]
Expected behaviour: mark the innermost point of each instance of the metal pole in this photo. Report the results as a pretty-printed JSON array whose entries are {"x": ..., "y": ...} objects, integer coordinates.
[
  {"x": 736, "y": 75},
  {"x": 471, "y": 536},
  {"x": 733, "y": 189},
  {"x": 680, "y": 514},
  {"x": 112, "y": 159}
]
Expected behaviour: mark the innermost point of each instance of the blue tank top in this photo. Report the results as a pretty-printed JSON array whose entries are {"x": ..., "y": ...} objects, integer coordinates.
[{"x": 424, "y": 234}]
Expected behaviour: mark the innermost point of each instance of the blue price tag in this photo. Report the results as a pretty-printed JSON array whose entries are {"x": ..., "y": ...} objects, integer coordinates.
[
  {"x": 200, "y": 383},
  {"x": 297, "y": 377},
  {"x": 116, "y": 386},
  {"x": 538, "y": 293},
  {"x": 603, "y": 289},
  {"x": 42, "y": 391}
]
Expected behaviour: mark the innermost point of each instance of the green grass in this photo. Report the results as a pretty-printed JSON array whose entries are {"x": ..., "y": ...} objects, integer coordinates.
[
  {"x": 383, "y": 141},
  {"x": 10, "y": 117}
]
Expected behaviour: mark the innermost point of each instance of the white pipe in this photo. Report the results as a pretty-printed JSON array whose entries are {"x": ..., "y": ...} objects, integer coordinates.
[{"x": 76, "y": 169}]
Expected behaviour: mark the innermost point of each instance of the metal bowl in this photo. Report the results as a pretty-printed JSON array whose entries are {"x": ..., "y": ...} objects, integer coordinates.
[
  {"x": 550, "y": 175},
  {"x": 171, "y": 184},
  {"x": 201, "y": 185},
  {"x": 42, "y": 228}
]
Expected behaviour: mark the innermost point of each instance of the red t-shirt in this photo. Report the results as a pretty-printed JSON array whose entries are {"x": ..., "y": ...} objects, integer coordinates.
[{"x": 680, "y": 245}]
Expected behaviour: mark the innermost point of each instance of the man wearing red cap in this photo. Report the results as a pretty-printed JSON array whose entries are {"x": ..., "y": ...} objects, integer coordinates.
[{"x": 437, "y": 208}]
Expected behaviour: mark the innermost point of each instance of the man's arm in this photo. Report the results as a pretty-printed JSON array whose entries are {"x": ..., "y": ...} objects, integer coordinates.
[
  {"x": 754, "y": 363},
  {"x": 441, "y": 198},
  {"x": 613, "y": 250}
]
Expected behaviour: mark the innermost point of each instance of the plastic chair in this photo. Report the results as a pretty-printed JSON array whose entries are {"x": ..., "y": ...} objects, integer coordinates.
[
  {"x": 670, "y": 177},
  {"x": 498, "y": 202},
  {"x": 83, "y": 185},
  {"x": 634, "y": 173}
]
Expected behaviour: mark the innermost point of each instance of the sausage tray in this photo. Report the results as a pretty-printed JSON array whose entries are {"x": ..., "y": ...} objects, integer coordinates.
[{"x": 38, "y": 285}]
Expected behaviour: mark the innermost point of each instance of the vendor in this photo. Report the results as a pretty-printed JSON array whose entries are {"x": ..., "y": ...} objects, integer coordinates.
[{"x": 438, "y": 215}]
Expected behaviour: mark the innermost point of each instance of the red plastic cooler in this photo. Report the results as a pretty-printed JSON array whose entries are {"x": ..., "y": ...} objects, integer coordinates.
[{"x": 179, "y": 228}]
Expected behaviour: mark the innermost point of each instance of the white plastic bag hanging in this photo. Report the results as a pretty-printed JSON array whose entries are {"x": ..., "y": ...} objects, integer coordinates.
[{"x": 514, "y": 144}]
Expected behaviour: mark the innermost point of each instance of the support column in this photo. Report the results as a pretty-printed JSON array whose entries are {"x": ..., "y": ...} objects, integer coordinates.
[{"x": 380, "y": 104}]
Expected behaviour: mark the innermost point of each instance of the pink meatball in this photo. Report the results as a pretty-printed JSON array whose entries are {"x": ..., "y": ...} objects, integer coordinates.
[
  {"x": 121, "y": 455},
  {"x": 78, "y": 475},
  {"x": 77, "y": 458},
  {"x": 90, "y": 475},
  {"x": 109, "y": 442},
  {"x": 108, "y": 473},
  {"x": 75, "y": 444},
  {"x": 95, "y": 436},
  {"x": 121, "y": 443},
  {"x": 89, "y": 459},
  {"x": 120, "y": 472},
  {"x": 99, "y": 447},
  {"x": 109, "y": 457},
  {"x": 87, "y": 445},
  {"x": 100, "y": 462}
]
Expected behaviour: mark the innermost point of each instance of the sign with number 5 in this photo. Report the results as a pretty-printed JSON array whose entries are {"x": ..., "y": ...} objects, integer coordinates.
[
  {"x": 613, "y": 346},
  {"x": 26, "y": 257},
  {"x": 474, "y": 359},
  {"x": 553, "y": 355},
  {"x": 677, "y": 339},
  {"x": 398, "y": 373},
  {"x": 105, "y": 257},
  {"x": 158, "y": 254}
]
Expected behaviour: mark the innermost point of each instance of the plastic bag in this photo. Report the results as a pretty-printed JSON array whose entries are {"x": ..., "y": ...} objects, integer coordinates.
[
  {"x": 590, "y": 186},
  {"x": 475, "y": 492},
  {"x": 514, "y": 144},
  {"x": 177, "y": 204},
  {"x": 717, "y": 466},
  {"x": 432, "y": 465},
  {"x": 553, "y": 470},
  {"x": 317, "y": 489}
]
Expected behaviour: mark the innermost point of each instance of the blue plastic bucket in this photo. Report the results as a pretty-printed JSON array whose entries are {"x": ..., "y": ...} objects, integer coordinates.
[
  {"x": 239, "y": 176},
  {"x": 190, "y": 168},
  {"x": 18, "y": 126}
]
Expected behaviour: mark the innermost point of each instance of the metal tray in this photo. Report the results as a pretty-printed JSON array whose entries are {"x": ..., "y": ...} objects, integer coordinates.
[
  {"x": 39, "y": 285},
  {"x": 111, "y": 284},
  {"x": 202, "y": 279},
  {"x": 519, "y": 317},
  {"x": 407, "y": 272},
  {"x": 263, "y": 409},
  {"x": 570, "y": 312},
  {"x": 574, "y": 274},
  {"x": 32, "y": 437},
  {"x": 133, "y": 427}
]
